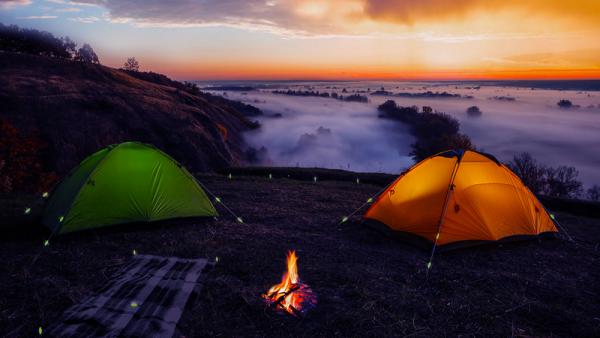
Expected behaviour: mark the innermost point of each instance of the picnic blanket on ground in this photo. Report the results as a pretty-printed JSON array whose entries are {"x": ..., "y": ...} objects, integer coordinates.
[{"x": 145, "y": 298}]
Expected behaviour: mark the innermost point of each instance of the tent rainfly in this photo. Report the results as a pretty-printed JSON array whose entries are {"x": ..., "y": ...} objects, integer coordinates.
[
  {"x": 125, "y": 183},
  {"x": 460, "y": 196}
]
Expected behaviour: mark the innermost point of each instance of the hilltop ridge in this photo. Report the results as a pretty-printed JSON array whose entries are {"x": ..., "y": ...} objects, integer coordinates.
[{"x": 77, "y": 108}]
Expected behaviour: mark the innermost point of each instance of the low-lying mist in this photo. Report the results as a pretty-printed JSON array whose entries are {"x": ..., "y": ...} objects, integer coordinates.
[{"x": 324, "y": 132}]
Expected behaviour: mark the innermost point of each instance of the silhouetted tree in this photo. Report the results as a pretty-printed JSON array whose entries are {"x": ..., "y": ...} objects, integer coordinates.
[
  {"x": 70, "y": 46},
  {"x": 435, "y": 132},
  {"x": 31, "y": 41},
  {"x": 86, "y": 54},
  {"x": 562, "y": 182},
  {"x": 191, "y": 87},
  {"x": 132, "y": 65},
  {"x": 427, "y": 109},
  {"x": 540, "y": 179},
  {"x": 474, "y": 111},
  {"x": 593, "y": 193},
  {"x": 564, "y": 104},
  {"x": 532, "y": 174}
]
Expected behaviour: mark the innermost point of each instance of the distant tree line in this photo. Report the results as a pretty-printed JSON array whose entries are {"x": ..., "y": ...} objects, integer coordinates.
[
  {"x": 333, "y": 95},
  {"x": 435, "y": 132},
  {"x": 32, "y": 41}
]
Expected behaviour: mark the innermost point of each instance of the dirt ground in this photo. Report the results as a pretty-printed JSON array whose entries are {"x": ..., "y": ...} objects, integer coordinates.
[{"x": 367, "y": 284}]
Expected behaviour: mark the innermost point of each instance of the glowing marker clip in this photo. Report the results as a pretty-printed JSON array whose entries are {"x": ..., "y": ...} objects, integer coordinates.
[
  {"x": 370, "y": 200},
  {"x": 270, "y": 176},
  {"x": 315, "y": 179},
  {"x": 344, "y": 219},
  {"x": 552, "y": 216},
  {"x": 358, "y": 181},
  {"x": 27, "y": 211},
  {"x": 134, "y": 252},
  {"x": 218, "y": 199},
  {"x": 40, "y": 331},
  {"x": 428, "y": 265},
  {"x": 240, "y": 220},
  {"x": 229, "y": 176},
  {"x": 134, "y": 305},
  {"x": 45, "y": 194},
  {"x": 46, "y": 242}
]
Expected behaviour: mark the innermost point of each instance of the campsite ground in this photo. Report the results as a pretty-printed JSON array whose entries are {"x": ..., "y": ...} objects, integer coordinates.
[{"x": 367, "y": 284}]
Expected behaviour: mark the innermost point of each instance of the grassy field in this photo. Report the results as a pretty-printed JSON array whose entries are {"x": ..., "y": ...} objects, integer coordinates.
[{"x": 367, "y": 284}]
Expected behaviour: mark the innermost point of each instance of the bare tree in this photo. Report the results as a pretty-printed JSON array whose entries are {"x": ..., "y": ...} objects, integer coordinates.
[
  {"x": 131, "y": 65},
  {"x": 562, "y": 182},
  {"x": 86, "y": 54},
  {"x": 531, "y": 173}
]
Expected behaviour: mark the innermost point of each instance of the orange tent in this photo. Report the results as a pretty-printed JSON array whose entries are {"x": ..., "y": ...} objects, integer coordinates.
[{"x": 458, "y": 196}]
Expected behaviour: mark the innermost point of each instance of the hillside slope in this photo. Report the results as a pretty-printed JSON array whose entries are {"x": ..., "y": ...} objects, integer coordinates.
[{"x": 77, "y": 108}]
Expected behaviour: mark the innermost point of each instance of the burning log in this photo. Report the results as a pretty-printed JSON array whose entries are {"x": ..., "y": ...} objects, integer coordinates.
[{"x": 291, "y": 295}]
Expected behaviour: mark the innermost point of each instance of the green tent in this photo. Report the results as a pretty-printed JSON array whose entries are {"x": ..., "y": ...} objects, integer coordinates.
[{"x": 125, "y": 183}]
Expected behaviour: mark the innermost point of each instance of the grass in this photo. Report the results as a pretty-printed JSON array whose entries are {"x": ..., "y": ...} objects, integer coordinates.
[{"x": 367, "y": 284}]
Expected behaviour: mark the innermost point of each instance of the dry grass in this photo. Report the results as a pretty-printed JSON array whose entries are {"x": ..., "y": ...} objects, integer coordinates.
[{"x": 367, "y": 284}]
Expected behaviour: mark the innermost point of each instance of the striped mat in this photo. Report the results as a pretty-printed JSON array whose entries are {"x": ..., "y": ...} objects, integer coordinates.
[{"x": 145, "y": 298}]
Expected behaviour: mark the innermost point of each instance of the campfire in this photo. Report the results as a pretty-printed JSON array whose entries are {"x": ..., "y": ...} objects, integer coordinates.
[{"x": 291, "y": 295}]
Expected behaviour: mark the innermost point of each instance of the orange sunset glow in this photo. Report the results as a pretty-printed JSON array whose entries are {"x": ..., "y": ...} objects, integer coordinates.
[{"x": 313, "y": 39}]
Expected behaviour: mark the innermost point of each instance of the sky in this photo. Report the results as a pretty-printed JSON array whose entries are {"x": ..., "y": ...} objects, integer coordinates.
[{"x": 335, "y": 39}]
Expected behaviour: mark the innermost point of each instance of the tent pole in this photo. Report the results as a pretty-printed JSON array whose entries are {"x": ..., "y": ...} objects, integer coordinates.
[
  {"x": 369, "y": 201},
  {"x": 558, "y": 225},
  {"x": 441, "y": 221}
]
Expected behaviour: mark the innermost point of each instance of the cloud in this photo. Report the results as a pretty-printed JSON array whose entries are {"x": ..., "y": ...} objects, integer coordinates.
[
  {"x": 89, "y": 19},
  {"x": 302, "y": 18},
  {"x": 37, "y": 17},
  {"x": 8, "y": 4},
  {"x": 285, "y": 17},
  {"x": 75, "y": 3},
  {"x": 69, "y": 10},
  {"x": 412, "y": 11}
]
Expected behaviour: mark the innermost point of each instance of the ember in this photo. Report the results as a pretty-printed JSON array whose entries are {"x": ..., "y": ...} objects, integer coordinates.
[{"x": 291, "y": 295}]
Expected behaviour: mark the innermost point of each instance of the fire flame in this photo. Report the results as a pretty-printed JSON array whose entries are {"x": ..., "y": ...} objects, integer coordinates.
[{"x": 291, "y": 295}]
